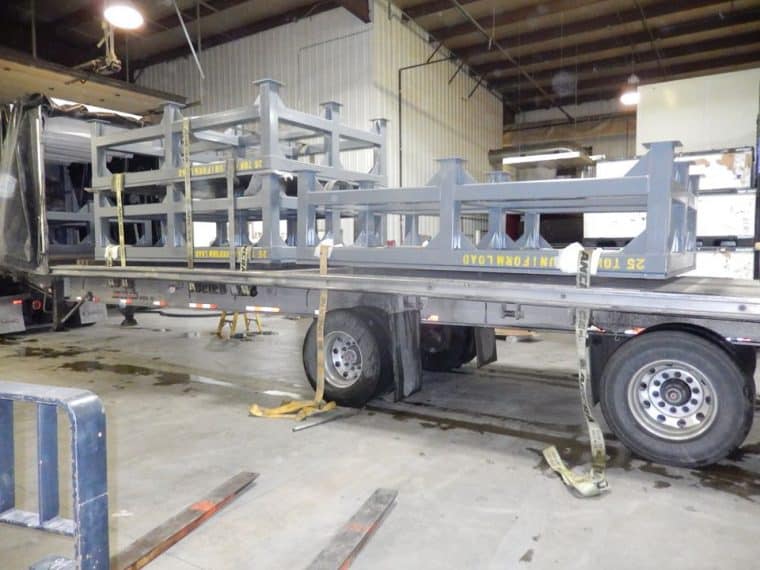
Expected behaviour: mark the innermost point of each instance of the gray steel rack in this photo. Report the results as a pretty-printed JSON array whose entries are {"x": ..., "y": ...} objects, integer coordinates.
[
  {"x": 230, "y": 168},
  {"x": 233, "y": 167},
  {"x": 655, "y": 184}
]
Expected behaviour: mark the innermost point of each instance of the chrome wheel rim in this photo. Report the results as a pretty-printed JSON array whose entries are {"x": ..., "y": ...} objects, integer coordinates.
[
  {"x": 343, "y": 359},
  {"x": 672, "y": 400}
]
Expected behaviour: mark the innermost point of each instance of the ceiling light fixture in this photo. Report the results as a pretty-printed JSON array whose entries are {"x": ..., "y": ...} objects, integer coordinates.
[
  {"x": 122, "y": 14},
  {"x": 560, "y": 154},
  {"x": 631, "y": 96}
]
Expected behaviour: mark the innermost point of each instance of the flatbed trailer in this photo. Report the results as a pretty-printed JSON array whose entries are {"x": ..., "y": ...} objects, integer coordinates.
[
  {"x": 672, "y": 358},
  {"x": 683, "y": 348}
]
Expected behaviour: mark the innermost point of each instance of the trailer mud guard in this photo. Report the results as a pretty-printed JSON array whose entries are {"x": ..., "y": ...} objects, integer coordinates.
[
  {"x": 405, "y": 340},
  {"x": 485, "y": 345}
]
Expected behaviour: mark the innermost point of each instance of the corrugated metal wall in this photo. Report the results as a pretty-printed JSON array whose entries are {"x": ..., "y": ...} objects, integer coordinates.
[
  {"x": 334, "y": 56},
  {"x": 323, "y": 58}
]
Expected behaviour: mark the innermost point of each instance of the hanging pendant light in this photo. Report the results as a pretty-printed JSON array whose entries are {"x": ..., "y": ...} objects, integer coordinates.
[
  {"x": 630, "y": 96},
  {"x": 122, "y": 14}
]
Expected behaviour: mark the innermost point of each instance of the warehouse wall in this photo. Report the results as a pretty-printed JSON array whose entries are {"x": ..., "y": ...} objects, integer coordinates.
[
  {"x": 439, "y": 119},
  {"x": 705, "y": 113},
  {"x": 334, "y": 56}
]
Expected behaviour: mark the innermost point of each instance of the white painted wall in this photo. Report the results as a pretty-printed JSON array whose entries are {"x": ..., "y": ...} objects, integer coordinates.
[{"x": 705, "y": 113}]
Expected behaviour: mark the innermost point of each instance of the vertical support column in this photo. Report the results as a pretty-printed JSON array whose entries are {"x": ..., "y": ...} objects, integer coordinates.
[
  {"x": 367, "y": 229},
  {"x": 171, "y": 141},
  {"x": 412, "y": 230},
  {"x": 659, "y": 205},
  {"x": 172, "y": 237},
  {"x": 380, "y": 154},
  {"x": 450, "y": 173},
  {"x": 47, "y": 461},
  {"x": 333, "y": 228},
  {"x": 99, "y": 201},
  {"x": 39, "y": 179},
  {"x": 332, "y": 139},
  {"x": 271, "y": 192},
  {"x": 531, "y": 238},
  {"x": 307, "y": 214},
  {"x": 269, "y": 104},
  {"x": 231, "y": 217},
  {"x": 88, "y": 445},
  {"x": 7, "y": 457}
]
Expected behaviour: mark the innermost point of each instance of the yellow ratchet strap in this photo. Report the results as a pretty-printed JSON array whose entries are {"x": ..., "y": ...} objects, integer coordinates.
[
  {"x": 117, "y": 185},
  {"x": 187, "y": 168},
  {"x": 301, "y": 409},
  {"x": 594, "y": 482}
]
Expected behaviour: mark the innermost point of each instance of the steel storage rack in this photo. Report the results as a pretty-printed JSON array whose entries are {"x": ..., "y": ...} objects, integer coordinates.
[
  {"x": 655, "y": 183},
  {"x": 230, "y": 168},
  {"x": 240, "y": 162}
]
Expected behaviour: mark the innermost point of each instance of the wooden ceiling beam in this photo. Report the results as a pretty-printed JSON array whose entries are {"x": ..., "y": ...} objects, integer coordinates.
[
  {"x": 610, "y": 22},
  {"x": 508, "y": 17},
  {"x": 427, "y": 8},
  {"x": 359, "y": 8},
  {"x": 618, "y": 83},
  {"x": 624, "y": 42},
  {"x": 623, "y": 62}
]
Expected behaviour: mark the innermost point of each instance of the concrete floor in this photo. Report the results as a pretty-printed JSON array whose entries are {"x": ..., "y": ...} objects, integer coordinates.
[{"x": 464, "y": 455}]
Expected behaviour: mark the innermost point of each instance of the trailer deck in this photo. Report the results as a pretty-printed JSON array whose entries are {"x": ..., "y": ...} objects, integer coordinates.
[{"x": 693, "y": 297}]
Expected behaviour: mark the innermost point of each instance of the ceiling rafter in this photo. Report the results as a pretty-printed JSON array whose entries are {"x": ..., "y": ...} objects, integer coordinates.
[
  {"x": 622, "y": 64},
  {"x": 623, "y": 43},
  {"x": 615, "y": 84},
  {"x": 511, "y": 16},
  {"x": 611, "y": 23},
  {"x": 427, "y": 8}
]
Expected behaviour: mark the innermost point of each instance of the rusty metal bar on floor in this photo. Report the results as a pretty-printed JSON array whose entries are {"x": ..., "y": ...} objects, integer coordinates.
[
  {"x": 346, "y": 545},
  {"x": 164, "y": 536}
]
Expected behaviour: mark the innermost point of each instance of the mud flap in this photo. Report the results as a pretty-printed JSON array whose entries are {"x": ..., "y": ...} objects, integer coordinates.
[
  {"x": 11, "y": 316},
  {"x": 91, "y": 312},
  {"x": 485, "y": 345},
  {"x": 405, "y": 343}
]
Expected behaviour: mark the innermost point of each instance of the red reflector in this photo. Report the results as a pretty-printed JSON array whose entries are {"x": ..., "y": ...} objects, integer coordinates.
[
  {"x": 18, "y": 301},
  {"x": 36, "y": 305}
]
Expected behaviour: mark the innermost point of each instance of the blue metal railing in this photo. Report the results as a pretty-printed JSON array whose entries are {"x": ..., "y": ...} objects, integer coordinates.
[{"x": 89, "y": 525}]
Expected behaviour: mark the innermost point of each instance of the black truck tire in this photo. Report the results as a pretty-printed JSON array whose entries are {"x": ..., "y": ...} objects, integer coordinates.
[
  {"x": 445, "y": 347},
  {"x": 353, "y": 357},
  {"x": 677, "y": 398}
]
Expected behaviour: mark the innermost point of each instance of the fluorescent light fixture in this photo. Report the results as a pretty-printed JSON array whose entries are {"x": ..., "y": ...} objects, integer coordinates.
[
  {"x": 543, "y": 157},
  {"x": 631, "y": 96},
  {"x": 123, "y": 14}
]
